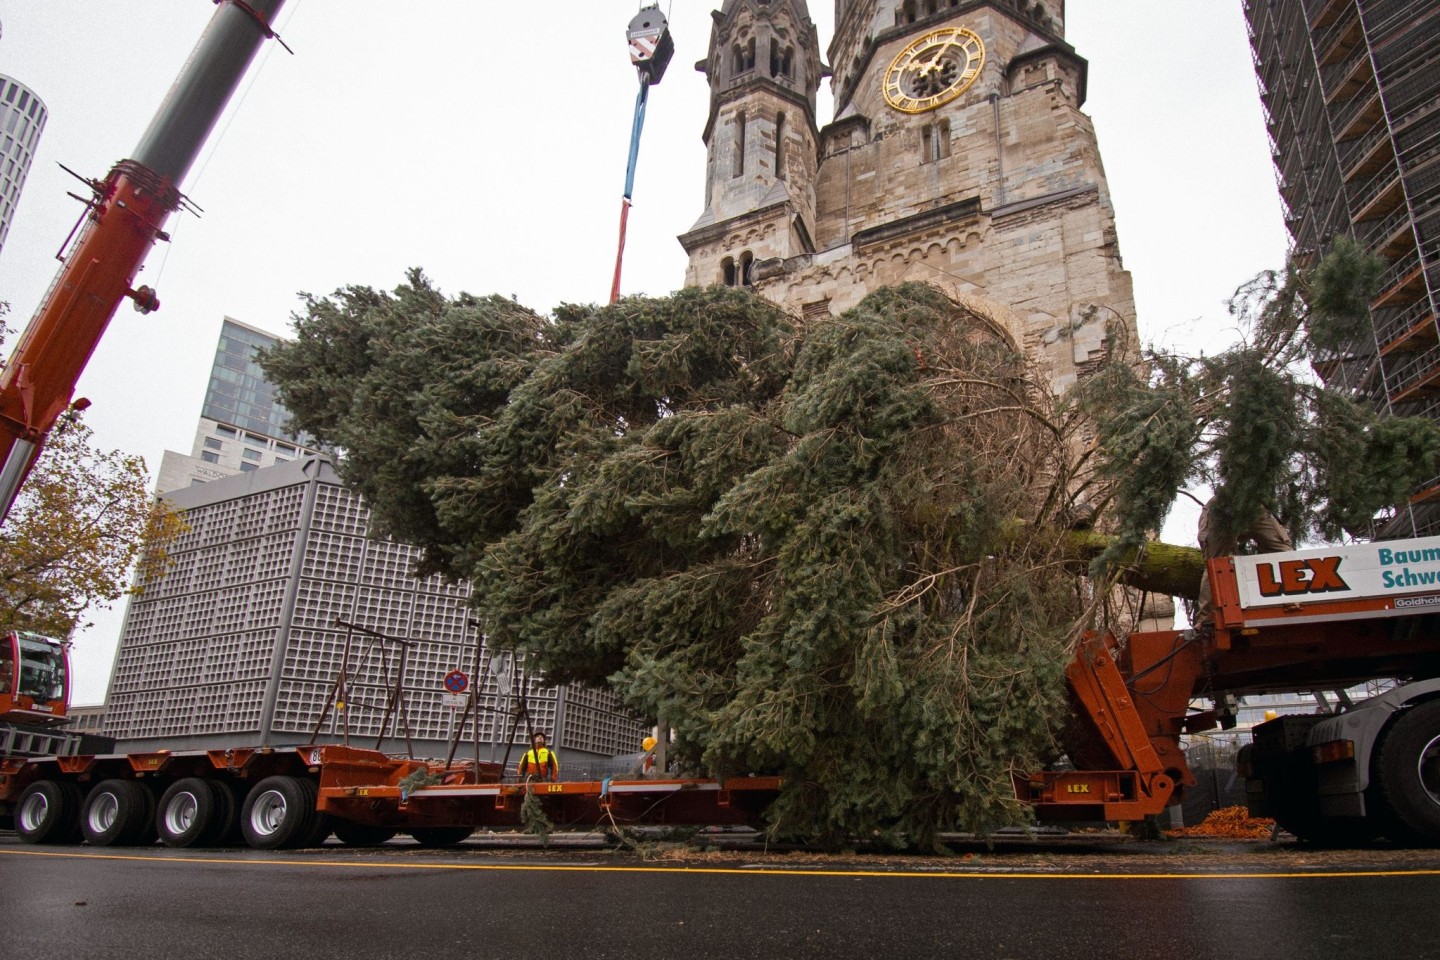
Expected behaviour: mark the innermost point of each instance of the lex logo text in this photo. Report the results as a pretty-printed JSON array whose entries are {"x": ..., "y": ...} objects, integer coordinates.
[{"x": 1290, "y": 578}]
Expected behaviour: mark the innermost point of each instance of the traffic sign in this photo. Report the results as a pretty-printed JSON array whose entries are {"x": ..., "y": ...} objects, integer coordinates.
[{"x": 456, "y": 682}]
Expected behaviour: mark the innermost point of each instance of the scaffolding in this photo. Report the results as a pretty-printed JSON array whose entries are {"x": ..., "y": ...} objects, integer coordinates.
[{"x": 1351, "y": 93}]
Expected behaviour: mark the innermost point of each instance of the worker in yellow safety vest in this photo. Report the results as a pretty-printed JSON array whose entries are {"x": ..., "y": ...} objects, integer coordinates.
[{"x": 538, "y": 761}]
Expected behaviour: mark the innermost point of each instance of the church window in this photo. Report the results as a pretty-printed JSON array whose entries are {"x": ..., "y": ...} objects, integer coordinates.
[
  {"x": 780, "y": 146},
  {"x": 744, "y": 56},
  {"x": 782, "y": 59},
  {"x": 739, "y": 167},
  {"x": 727, "y": 271},
  {"x": 935, "y": 141},
  {"x": 747, "y": 269},
  {"x": 931, "y": 6}
]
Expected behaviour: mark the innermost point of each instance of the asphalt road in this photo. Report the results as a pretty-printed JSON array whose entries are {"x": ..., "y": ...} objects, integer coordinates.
[{"x": 398, "y": 901}]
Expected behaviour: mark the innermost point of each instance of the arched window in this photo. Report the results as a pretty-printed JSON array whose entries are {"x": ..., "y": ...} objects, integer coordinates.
[
  {"x": 744, "y": 56},
  {"x": 727, "y": 271},
  {"x": 782, "y": 59},
  {"x": 747, "y": 269}
]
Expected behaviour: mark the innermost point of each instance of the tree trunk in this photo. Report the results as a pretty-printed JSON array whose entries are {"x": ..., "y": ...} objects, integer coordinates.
[{"x": 1162, "y": 567}]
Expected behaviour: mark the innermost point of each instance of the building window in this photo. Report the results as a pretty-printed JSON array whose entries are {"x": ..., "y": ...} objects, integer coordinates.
[
  {"x": 284, "y": 448},
  {"x": 780, "y": 146},
  {"x": 739, "y": 165},
  {"x": 255, "y": 441},
  {"x": 212, "y": 444},
  {"x": 251, "y": 454},
  {"x": 935, "y": 141},
  {"x": 224, "y": 431},
  {"x": 782, "y": 59},
  {"x": 727, "y": 271},
  {"x": 247, "y": 467},
  {"x": 744, "y": 56},
  {"x": 209, "y": 457},
  {"x": 747, "y": 268}
]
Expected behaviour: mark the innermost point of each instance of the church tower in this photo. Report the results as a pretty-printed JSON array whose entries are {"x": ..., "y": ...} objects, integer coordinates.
[
  {"x": 958, "y": 155},
  {"x": 761, "y": 138}
]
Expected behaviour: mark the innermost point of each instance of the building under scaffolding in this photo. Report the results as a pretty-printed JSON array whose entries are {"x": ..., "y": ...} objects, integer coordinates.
[{"x": 1351, "y": 90}]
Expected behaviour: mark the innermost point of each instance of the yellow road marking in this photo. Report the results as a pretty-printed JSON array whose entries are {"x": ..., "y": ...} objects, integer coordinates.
[{"x": 736, "y": 871}]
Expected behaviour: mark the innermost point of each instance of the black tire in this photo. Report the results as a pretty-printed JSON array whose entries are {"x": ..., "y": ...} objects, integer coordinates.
[
  {"x": 194, "y": 813},
  {"x": 1408, "y": 771},
  {"x": 48, "y": 811},
  {"x": 232, "y": 797},
  {"x": 441, "y": 836},
  {"x": 119, "y": 813},
  {"x": 362, "y": 834},
  {"x": 279, "y": 814}
]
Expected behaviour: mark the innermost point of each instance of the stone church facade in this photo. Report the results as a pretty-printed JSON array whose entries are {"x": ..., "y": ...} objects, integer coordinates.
[{"x": 958, "y": 156}]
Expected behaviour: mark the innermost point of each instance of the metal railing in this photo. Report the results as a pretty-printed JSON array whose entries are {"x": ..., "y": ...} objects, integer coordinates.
[
  {"x": 1327, "y": 38},
  {"x": 1352, "y": 152},
  {"x": 1394, "y": 322},
  {"x": 1412, "y": 369},
  {"x": 1379, "y": 230},
  {"x": 1371, "y": 189},
  {"x": 1350, "y": 110},
  {"x": 1404, "y": 265}
]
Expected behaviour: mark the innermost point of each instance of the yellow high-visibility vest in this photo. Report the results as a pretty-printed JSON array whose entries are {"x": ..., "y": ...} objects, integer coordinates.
[{"x": 546, "y": 764}]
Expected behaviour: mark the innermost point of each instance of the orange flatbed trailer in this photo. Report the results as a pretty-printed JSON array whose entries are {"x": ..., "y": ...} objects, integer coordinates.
[{"x": 1371, "y": 769}]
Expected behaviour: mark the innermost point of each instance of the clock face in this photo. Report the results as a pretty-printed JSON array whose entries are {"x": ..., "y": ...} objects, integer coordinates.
[{"x": 934, "y": 69}]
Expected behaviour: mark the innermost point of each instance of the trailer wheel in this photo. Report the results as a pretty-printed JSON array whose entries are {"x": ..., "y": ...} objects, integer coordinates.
[
  {"x": 279, "y": 814},
  {"x": 194, "y": 813},
  {"x": 48, "y": 811},
  {"x": 1409, "y": 773},
  {"x": 441, "y": 836},
  {"x": 119, "y": 813},
  {"x": 362, "y": 834}
]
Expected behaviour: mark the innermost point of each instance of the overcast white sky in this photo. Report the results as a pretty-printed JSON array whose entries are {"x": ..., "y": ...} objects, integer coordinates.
[{"x": 486, "y": 141}]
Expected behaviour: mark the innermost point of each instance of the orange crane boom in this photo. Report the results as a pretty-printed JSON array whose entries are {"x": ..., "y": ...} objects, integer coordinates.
[{"x": 123, "y": 221}]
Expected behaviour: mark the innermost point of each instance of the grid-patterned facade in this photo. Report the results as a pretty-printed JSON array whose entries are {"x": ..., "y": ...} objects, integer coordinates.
[
  {"x": 22, "y": 120},
  {"x": 1351, "y": 90},
  {"x": 239, "y": 643}
]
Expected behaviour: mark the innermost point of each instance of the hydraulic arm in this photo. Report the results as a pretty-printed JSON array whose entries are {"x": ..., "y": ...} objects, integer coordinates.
[{"x": 125, "y": 218}]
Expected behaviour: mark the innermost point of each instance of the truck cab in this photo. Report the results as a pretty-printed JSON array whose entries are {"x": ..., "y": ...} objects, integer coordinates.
[{"x": 34, "y": 678}]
